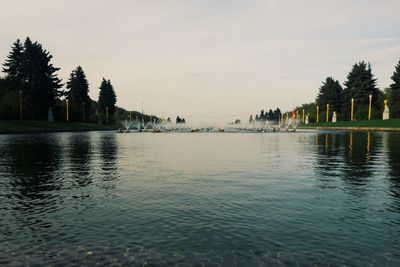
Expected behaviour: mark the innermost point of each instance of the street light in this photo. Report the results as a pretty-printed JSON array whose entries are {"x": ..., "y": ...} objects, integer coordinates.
[
  {"x": 370, "y": 107},
  {"x": 83, "y": 111},
  {"x": 327, "y": 112},
  {"x": 20, "y": 105},
  {"x": 67, "y": 107},
  {"x": 352, "y": 109}
]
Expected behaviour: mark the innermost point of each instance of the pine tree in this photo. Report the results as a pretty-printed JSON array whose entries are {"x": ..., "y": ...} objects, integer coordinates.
[
  {"x": 13, "y": 64},
  {"x": 78, "y": 95},
  {"x": 270, "y": 115},
  {"x": 262, "y": 116},
  {"x": 330, "y": 93},
  {"x": 277, "y": 115},
  {"x": 107, "y": 98},
  {"x": 359, "y": 85},
  {"x": 30, "y": 69},
  {"x": 395, "y": 93}
]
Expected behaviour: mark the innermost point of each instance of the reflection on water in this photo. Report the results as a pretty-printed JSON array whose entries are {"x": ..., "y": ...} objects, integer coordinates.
[
  {"x": 80, "y": 155},
  {"x": 108, "y": 154},
  {"x": 202, "y": 199},
  {"x": 32, "y": 163}
]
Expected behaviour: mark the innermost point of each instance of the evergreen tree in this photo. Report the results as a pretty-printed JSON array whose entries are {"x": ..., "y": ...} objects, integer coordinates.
[
  {"x": 277, "y": 115},
  {"x": 178, "y": 119},
  {"x": 395, "y": 93},
  {"x": 107, "y": 98},
  {"x": 13, "y": 64},
  {"x": 359, "y": 85},
  {"x": 262, "y": 116},
  {"x": 78, "y": 95},
  {"x": 270, "y": 115},
  {"x": 330, "y": 93},
  {"x": 29, "y": 68}
]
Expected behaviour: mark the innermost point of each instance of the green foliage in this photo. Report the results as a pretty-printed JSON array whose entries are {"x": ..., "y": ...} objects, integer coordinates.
[
  {"x": 271, "y": 115},
  {"x": 28, "y": 69},
  {"x": 395, "y": 93},
  {"x": 9, "y": 104},
  {"x": 78, "y": 95},
  {"x": 311, "y": 110},
  {"x": 330, "y": 93},
  {"x": 394, "y": 123},
  {"x": 107, "y": 98},
  {"x": 360, "y": 85}
]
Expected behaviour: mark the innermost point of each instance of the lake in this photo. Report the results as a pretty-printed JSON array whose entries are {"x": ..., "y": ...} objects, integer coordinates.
[{"x": 200, "y": 199}]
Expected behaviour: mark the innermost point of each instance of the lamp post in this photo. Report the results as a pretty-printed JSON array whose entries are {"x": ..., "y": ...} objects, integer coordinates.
[
  {"x": 20, "y": 105},
  {"x": 317, "y": 114},
  {"x": 107, "y": 115},
  {"x": 327, "y": 112},
  {"x": 352, "y": 109},
  {"x": 67, "y": 107},
  {"x": 370, "y": 107},
  {"x": 303, "y": 116},
  {"x": 83, "y": 111}
]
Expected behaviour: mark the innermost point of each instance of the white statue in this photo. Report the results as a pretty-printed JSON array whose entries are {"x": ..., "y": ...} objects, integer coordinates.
[
  {"x": 385, "y": 111},
  {"x": 334, "y": 117},
  {"x": 307, "y": 118}
]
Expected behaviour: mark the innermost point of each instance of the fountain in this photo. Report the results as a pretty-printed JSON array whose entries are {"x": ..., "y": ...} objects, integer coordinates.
[{"x": 139, "y": 125}]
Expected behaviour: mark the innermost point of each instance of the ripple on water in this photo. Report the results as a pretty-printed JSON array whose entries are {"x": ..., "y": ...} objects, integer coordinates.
[{"x": 200, "y": 199}]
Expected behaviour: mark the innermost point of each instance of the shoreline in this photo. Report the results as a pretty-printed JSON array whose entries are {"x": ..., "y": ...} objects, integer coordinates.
[
  {"x": 28, "y": 127},
  {"x": 360, "y": 129},
  {"x": 392, "y": 125}
]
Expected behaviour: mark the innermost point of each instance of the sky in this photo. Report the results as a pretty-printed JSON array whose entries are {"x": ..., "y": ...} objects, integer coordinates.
[{"x": 209, "y": 60}]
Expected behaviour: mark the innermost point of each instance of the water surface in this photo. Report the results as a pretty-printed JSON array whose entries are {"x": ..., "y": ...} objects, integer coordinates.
[{"x": 211, "y": 199}]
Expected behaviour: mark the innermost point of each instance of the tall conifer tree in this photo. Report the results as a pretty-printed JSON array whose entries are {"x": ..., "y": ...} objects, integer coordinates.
[
  {"x": 107, "y": 98},
  {"x": 78, "y": 95},
  {"x": 29, "y": 68},
  {"x": 395, "y": 93},
  {"x": 330, "y": 93},
  {"x": 359, "y": 85}
]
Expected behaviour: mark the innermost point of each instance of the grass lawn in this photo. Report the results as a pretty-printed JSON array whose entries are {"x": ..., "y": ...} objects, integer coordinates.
[
  {"x": 12, "y": 126},
  {"x": 393, "y": 123}
]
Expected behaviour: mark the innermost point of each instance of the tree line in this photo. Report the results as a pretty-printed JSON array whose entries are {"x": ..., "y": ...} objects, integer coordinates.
[
  {"x": 271, "y": 115},
  {"x": 359, "y": 86},
  {"x": 31, "y": 88}
]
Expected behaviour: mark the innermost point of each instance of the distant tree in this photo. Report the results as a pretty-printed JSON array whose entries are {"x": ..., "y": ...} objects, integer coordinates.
[
  {"x": 107, "y": 97},
  {"x": 28, "y": 67},
  {"x": 277, "y": 114},
  {"x": 395, "y": 93},
  {"x": 183, "y": 120},
  {"x": 257, "y": 118},
  {"x": 178, "y": 120},
  {"x": 359, "y": 85},
  {"x": 262, "y": 116},
  {"x": 237, "y": 121},
  {"x": 78, "y": 95},
  {"x": 270, "y": 115},
  {"x": 169, "y": 120},
  {"x": 330, "y": 93},
  {"x": 251, "y": 119}
]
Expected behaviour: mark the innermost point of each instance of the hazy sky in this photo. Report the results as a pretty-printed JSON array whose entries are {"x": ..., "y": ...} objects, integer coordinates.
[{"x": 211, "y": 59}]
